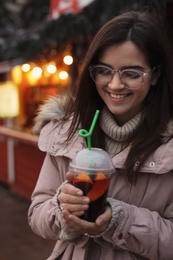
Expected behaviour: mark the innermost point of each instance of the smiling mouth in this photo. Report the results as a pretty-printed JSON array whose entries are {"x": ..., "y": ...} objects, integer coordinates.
[{"x": 118, "y": 96}]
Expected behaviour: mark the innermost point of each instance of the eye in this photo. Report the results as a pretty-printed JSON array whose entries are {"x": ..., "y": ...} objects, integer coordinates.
[
  {"x": 131, "y": 74},
  {"x": 103, "y": 71}
]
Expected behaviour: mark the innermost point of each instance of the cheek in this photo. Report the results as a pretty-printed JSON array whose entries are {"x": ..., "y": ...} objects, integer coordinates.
[{"x": 143, "y": 91}]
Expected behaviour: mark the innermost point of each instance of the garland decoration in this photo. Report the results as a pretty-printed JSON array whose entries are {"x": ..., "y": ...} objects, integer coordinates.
[{"x": 73, "y": 29}]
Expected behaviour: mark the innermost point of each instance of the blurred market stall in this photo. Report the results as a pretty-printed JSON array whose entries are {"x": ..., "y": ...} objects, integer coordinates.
[{"x": 42, "y": 47}]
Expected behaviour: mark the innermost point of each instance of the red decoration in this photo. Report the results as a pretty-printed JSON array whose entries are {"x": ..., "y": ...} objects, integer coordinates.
[{"x": 59, "y": 7}]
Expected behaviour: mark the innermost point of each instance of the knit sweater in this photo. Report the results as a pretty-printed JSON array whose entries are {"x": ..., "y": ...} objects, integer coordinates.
[{"x": 116, "y": 137}]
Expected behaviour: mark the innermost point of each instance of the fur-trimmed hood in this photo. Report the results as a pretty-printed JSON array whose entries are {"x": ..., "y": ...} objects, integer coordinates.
[{"x": 54, "y": 109}]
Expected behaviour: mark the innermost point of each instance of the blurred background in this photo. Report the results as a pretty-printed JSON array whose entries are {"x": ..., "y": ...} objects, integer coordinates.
[{"x": 42, "y": 47}]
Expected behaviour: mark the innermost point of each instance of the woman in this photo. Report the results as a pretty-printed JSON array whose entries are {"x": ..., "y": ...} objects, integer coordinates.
[{"x": 128, "y": 77}]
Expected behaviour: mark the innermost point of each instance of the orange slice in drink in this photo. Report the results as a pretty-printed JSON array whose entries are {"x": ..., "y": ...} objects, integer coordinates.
[
  {"x": 99, "y": 187},
  {"x": 83, "y": 177},
  {"x": 100, "y": 176}
]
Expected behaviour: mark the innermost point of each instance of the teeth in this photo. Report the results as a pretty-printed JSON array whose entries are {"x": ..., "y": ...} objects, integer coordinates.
[{"x": 117, "y": 96}]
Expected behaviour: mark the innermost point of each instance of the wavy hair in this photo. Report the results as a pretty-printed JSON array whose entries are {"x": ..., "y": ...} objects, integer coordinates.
[{"x": 145, "y": 32}]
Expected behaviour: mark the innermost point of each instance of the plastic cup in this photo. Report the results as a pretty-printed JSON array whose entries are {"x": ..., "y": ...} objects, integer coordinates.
[{"x": 92, "y": 170}]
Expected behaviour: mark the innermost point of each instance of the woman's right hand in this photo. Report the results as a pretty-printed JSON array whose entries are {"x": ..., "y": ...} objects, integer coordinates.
[{"x": 71, "y": 198}]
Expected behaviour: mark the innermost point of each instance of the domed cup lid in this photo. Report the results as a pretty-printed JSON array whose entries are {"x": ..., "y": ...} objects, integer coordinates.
[{"x": 94, "y": 160}]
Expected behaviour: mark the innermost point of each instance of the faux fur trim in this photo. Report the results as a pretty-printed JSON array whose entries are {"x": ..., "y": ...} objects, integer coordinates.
[{"x": 53, "y": 108}]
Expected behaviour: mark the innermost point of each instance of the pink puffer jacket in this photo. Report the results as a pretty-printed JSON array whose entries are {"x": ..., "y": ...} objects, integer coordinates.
[{"x": 146, "y": 231}]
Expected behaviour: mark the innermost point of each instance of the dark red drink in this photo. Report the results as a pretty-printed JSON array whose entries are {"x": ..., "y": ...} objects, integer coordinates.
[
  {"x": 96, "y": 188},
  {"x": 92, "y": 170}
]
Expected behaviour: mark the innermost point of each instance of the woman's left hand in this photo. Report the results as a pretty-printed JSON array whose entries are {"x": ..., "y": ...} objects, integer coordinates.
[{"x": 83, "y": 226}]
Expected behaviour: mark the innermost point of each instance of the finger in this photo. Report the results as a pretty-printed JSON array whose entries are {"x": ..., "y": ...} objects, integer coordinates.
[
  {"x": 76, "y": 208},
  {"x": 83, "y": 226},
  {"x": 75, "y": 213},
  {"x": 78, "y": 213},
  {"x": 78, "y": 224},
  {"x": 70, "y": 189},
  {"x": 69, "y": 177},
  {"x": 105, "y": 217},
  {"x": 73, "y": 200}
]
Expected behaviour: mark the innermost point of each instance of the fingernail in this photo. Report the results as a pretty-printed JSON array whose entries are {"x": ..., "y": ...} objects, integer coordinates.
[
  {"x": 70, "y": 216},
  {"x": 99, "y": 221},
  {"x": 80, "y": 192},
  {"x": 84, "y": 207},
  {"x": 86, "y": 200}
]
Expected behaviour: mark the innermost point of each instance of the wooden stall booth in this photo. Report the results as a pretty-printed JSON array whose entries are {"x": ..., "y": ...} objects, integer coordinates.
[
  {"x": 20, "y": 161},
  {"x": 25, "y": 87}
]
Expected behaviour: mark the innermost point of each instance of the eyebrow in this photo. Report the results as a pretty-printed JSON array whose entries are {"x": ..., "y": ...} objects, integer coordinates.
[{"x": 137, "y": 67}]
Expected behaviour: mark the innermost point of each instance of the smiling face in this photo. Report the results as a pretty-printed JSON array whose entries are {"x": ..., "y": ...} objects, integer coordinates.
[{"x": 122, "y": 102}]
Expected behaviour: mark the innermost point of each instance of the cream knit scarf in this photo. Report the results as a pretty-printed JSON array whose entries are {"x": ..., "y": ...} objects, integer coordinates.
[{"x": 116, "y": 137}]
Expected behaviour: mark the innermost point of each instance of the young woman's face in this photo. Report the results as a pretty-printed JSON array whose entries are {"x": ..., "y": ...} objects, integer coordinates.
[{"x": 124, "y": 103}]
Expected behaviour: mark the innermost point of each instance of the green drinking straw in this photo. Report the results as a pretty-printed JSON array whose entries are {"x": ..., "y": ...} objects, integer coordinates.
[{"x": 84, "y": 133}]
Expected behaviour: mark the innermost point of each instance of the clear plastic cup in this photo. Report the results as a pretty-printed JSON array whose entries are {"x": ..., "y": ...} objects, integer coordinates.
[{"x": 92, "y": 171}]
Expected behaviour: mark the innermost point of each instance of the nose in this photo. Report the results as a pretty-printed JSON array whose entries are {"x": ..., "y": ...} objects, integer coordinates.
[{"x": 116, "y": 82}]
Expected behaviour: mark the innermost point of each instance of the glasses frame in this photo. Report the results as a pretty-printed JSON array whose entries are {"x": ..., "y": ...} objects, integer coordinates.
[{"x": 113, "y": 71}]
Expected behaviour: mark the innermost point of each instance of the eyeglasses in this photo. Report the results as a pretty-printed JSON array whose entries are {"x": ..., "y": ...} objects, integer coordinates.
[{"x": 130, "y": 78}]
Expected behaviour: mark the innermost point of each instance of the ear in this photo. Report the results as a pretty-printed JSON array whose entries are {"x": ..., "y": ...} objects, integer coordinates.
[{"x": 156, "y": 75}]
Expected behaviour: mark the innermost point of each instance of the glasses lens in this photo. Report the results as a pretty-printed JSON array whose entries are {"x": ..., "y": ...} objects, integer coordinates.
[
  {"x": 101, "y": 75},
  {"x": 131, "y": 78}
]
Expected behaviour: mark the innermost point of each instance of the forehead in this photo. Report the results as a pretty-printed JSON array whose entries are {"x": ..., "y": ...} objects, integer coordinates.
[{"x": 124, "y": 54}]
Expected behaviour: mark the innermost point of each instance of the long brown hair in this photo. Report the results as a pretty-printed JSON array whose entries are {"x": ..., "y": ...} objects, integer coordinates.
[{"x": 145, "y": 31}]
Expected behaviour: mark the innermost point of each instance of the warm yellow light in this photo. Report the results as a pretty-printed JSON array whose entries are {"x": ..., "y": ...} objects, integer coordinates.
[
  {"x": 16, "y": 75},
  {"x": 68, "y": 59},
  {"x": 26, "y": 67},
  {"x": 36, "y": 72},
  {"x": 63, "y": 75},
  {"x": 9, "y": 100},
  {"x": 51, "y": 68}
]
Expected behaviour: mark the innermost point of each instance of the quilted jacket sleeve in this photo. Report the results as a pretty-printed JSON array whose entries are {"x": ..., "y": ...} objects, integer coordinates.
[
  {"x": 43, "y": 215},
  {"x": 42, "y": 212},
  {"x": 144, "y": 232}
]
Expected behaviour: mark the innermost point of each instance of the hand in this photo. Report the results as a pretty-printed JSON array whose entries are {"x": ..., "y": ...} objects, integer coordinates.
[
  {"x": 83, "y": 226},
  {"x": 71, "y": 198}
]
